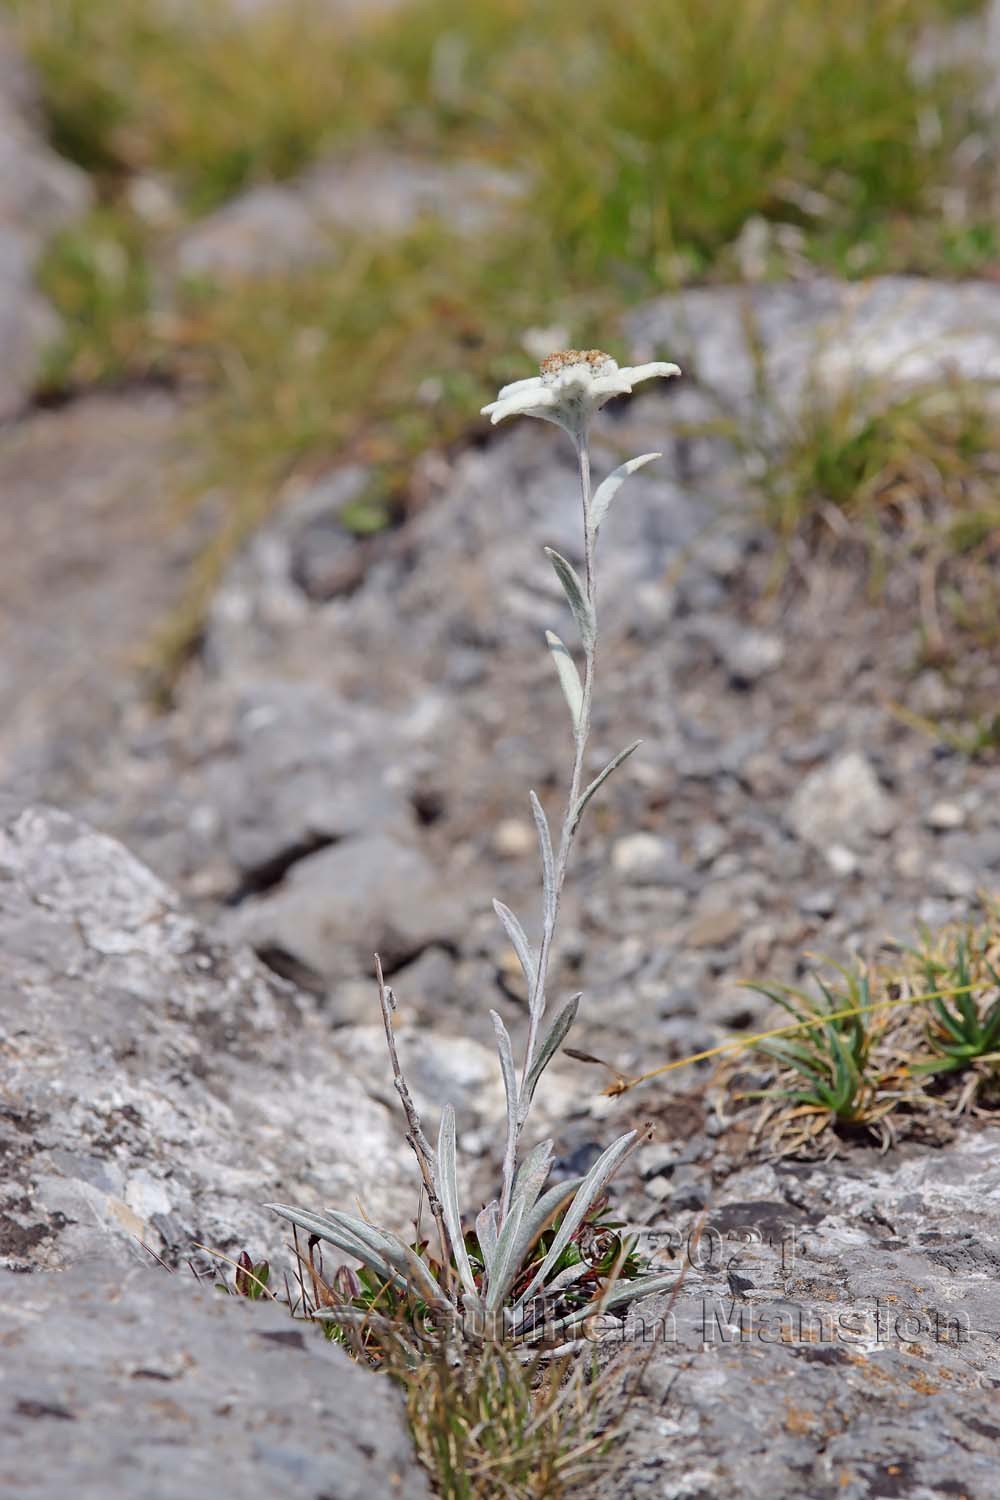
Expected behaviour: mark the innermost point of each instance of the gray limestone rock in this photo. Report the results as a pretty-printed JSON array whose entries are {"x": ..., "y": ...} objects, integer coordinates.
[
  {"x": 841, "y": 802},
  {"x": 39, "y": 194},
  {"x": 836, "y": 1334},
  {"x": 117, "y": 1385},
  {"x": 277, "y": 228},
  {"x": 336, "y": 908},
  {"x": 893, "y": 332},
  {"x": 158, "y": 1087}
]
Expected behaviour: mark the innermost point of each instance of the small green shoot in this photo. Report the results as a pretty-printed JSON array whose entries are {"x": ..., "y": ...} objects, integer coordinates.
[{"x": 968, "y": 1029}]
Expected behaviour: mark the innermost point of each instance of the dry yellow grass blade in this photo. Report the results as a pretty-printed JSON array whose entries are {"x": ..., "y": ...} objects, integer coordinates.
[{"x": 738, "y": 1043}]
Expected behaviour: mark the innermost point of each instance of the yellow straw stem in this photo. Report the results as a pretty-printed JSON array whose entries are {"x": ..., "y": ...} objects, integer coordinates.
[{"x": 736, "y": 1043}]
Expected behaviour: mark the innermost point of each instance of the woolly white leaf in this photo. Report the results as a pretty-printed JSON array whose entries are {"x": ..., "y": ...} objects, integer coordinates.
[
  {"x": 620, "y": 1295},
  {"x": 505, "y": 1263},
  {"x": 583, "y": 611},
  {"x": 519, "y": 942},
  {"x": 510, "y": 1077},
  {"x": 606, "y": 492},
  {"x": 447, "y": 1190},
  {"x": 486, "y": 1233},
  {"x": 341, "y": 1238},
  {"x": 401, "y": 1256},
  {"x": 548, "y": 859},
  {"x": 569, "y": 677},
  {"x": 601, "y": 778},
  {"x": 531, "y": 1175},
  {"x": 593, "y": 1183},
  {"x": 544, "y": 1210},
  {"x": 551, "y": 1042}
]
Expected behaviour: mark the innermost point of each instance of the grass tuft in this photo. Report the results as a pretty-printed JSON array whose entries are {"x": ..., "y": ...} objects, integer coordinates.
[
  {"x": 487, "y": 1424},
  {"x": 923, "y": 1044}
]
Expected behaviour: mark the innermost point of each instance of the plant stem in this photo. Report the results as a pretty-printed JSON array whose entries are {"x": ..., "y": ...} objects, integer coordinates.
[{"x": 536, "y": 1002}]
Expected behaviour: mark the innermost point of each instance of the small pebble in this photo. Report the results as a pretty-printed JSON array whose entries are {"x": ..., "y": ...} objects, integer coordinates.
[
  {"x": 690, "y": 1197},
  {"x": 659, "y": 1188},
  {"x": 842, "y": 861},
  {"x": 655, "y": 1160},
  {"x": 822, "y": 903},
  {"x": 644, "y": 859},
  {"x": 513, "y": 839},
  {"x": 943, "y": 816}
]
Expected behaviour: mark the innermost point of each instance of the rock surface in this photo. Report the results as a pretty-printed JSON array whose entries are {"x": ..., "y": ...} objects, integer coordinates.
[
  {"x": 92, "y": 556},
  {"x": 39, "y": 194},
  {"x": 116, "y": 1385},
  {"x": 157, "y": 1087},
  {"x": 322, "y": 914},
  {"x": 837, "y": 1333},
  {"x": 277, "y": 228},
  {"x": 890, "y": 334}
]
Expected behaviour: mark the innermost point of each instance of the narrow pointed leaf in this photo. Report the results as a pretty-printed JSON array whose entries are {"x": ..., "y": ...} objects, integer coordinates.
[
  {"x": 505, "y": 1266},
  {"x": 544, "y": 1210},
  {"x": 550, "y": 1044},
  {"x": 548, "y": 859},
  {"x": 447, "y": 1189},
  {"x": 519, "y": 942},
  {"x": 336, "y": 1235},
  {"x": 486, "y": 1233},
  {"x": 569, "y": 677},
  {"x": 592, "y": 1184},
  {"x": 620, "y": 1295},
  {"x": 582, "y": 609},
  {"x": 606, "y": 492},
  {"x": 569, "y": 1277},
  {"x": 381, "y": 1243},
  {"x": 506, "y": 1067},
  {"x": 601, "y": 778},
  {"x": 401, "y": 1257},
  {"x": 531, "y": 1175}
]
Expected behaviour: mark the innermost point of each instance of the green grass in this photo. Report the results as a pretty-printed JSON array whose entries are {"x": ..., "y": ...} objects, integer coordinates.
[
  {"x": 910, "y": 1043},
  {"x": 903, "y": 479},
  {"x": 651, "y": 131},
  {"x": 491, "y": 1427},
  {"x": 646, "y": 135},
  {"x": 98, "y": 274},
  {"x": 879, "y": 460}
]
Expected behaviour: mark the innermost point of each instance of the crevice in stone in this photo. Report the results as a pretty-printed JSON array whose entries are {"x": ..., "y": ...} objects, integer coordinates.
[
  {"x": 287, "y": 966},
  {"x": 271, "y": 872}
]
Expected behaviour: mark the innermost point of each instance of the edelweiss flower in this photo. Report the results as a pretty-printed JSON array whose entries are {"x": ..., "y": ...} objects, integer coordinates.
[{"x": 571, "y": 387}]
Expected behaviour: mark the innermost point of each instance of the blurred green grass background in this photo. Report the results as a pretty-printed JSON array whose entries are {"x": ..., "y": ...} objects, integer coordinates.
[{"x": 645, "y": 135}]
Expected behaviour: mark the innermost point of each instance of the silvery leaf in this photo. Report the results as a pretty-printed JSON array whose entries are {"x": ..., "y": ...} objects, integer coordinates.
[
  {"x": 569, "y": 1277},
  {"x": 620, "y": 1295},
  {"x": 447, "y": 1190},
  {"x": 545, "y": 1209},
  {"x": 486, "y": 1233},
  {"x": 606, "y": 492},
  {"x": 531, "y": 1175},
  {"x": 505, "y": 1264},
  {"x": 401, "y": 1256},
  {"x": 642, "y": 1286},
  {"x": 601, "y": 778},
  {"x": 338, "y": 1236},
  {"x": 569, "y": 677},
  {"x": 510, "y": 1077},
  {"x": 572, "y": 587},
  {"x": 519, "y": 942},
  {"x": 548, "y": 860},
  {"x": 550, "y": 1044},
  {"x": 593, "y": 1183}
]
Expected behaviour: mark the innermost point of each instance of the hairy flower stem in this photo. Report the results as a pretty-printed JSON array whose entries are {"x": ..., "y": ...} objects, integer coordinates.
[{"x": 536, "y": 1002}]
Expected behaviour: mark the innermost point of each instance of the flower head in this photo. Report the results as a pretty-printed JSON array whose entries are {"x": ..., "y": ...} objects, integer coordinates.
[{"x": 570, "y": 387}]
